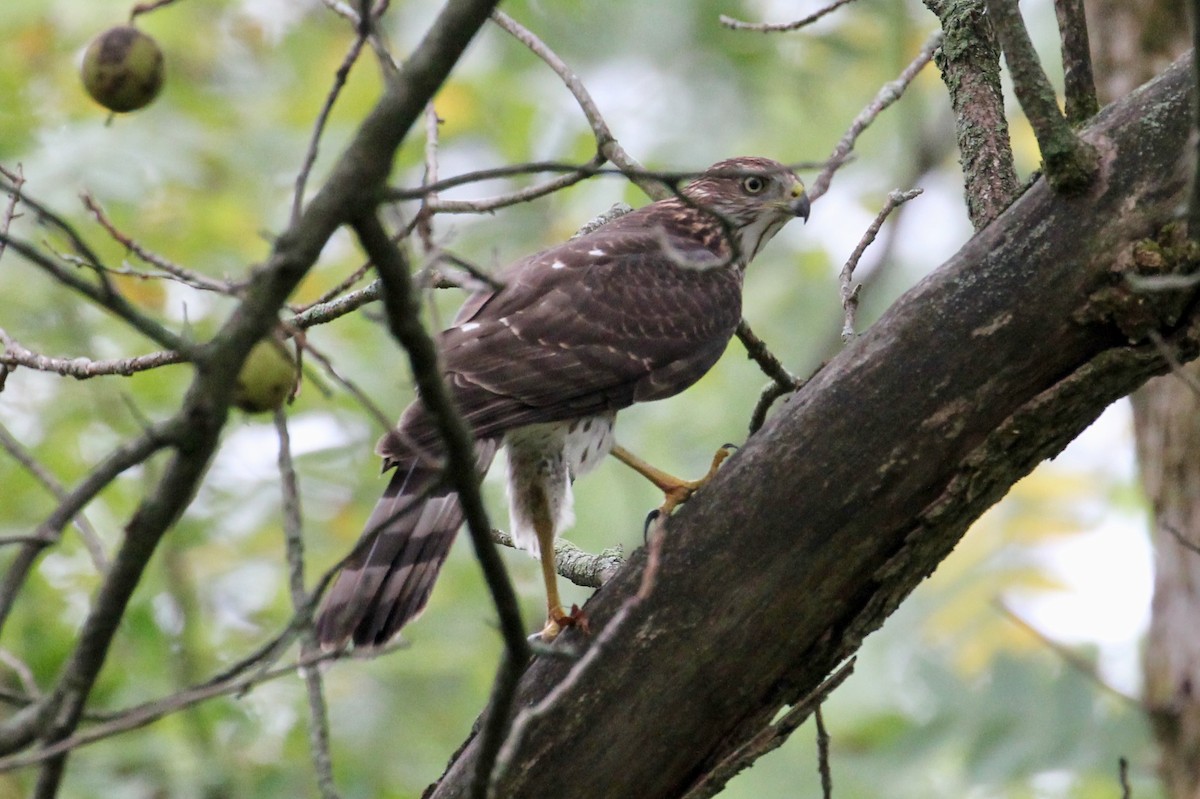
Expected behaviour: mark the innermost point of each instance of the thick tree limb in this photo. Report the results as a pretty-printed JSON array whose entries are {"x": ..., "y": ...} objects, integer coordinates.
[{"x": 850, "y": 495}]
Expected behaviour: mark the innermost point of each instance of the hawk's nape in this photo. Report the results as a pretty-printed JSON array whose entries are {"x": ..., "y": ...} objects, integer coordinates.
[{"x": 636, "y": 310}]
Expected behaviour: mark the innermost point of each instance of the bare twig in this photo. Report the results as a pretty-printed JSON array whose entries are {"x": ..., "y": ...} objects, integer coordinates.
[
  {"x": 89, "y": 536},
  {"x": 769, "y": 738},
  {"x": 849, "y": 291},
  {"x": 783, "y": 381},
  {"x": 15, "y": 354},
  {"x": 405, "y": 325},
  {"x": 387, "y": 61},
  {"x": 777, "y": 27},
  {"x": 403, "y": 320},
  {"x": 125, "y": 457},
  {"x": 150, "y": 712},
  {"x": 1193, "y": 217},
  {"x": 606, "y": 144},
  {"x": 182, "y": 274},
  {"x": 1070, "y": 162},
  {"x": 1072, "y": 659},
  {"x": 1181, "y": 539},
  {"x": 310, "y": 155},
  {"x": 146, "y": 8},
  {"x": 318, "y": 725},
  {"x": 1123, "y": 778},
  {"x": 349, "y": 385},
  {"x": 103, "y": 295},
  {"x": 520, "y": 196},
  {"x": 1078, "y": 84},
  {"x": 823, "y": 755},
  {"x": 16, "y": 180},
  {"x": 1172, "y": 360},
  {"x": 23, "y": 672},
  {"x": 888, "y": 93},
  {"x": 580, "y": 567}
]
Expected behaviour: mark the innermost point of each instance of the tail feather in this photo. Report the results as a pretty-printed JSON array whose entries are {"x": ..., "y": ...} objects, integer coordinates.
[{"x": 388, "y": 583}]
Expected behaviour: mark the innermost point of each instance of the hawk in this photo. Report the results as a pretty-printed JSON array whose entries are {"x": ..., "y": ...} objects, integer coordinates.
[{"x": 636, "y": 310}]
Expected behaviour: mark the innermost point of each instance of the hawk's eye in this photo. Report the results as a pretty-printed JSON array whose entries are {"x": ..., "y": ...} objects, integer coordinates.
[{"x": 754, "y": 184}]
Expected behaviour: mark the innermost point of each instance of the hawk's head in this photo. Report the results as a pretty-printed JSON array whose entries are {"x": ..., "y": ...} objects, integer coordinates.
[{"x": 751, "y": 197}]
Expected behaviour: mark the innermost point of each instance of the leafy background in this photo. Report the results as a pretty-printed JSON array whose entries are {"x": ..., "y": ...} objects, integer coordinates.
[{"x": 954, "y": 697}]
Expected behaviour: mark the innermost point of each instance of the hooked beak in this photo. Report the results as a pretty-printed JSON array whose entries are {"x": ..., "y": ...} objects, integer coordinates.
[{"x": 799, "y": 205}]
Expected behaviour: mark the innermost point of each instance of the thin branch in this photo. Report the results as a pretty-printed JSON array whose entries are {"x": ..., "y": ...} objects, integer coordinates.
[
  {"x": 970, "y": 67},
  {"x": 778, "y": 27},
  {"x": 123, "y": 458},
  {"x": 1070, "y": 162},
  {"x": 1078, "y": 83},
  {"x": 15, "y": 354},
  {"x": 403, "y": 320},
  {"x": 823, "y": 756},
  {"x": 310, "y": 155},
  {"x": 606, "y": 144},
  {"x": 1123, "y": 778},
  {"x": 580, "y": 567},
  {"x": 386, "y": 60},
  {"x": 888, "y": 93},
  {"x": 1080, "y": 664},
  {"x": 1193, "y": 217},
  {"x": 186, "y": 276},
  {"x": 318, "y": 729},
  {"x": 849, "y": 291},
  {"x": 769, "y": 738},
  {"x": 103, "y": 295},
  {"x": 16, "y": 180},
  {"x": 150, "y": 712},
  {"x": 146, "y": 8},
  {"x": 88, "y": 534},
  {"x": 520, "y": 196},
  {"x": 783, "y": 381},
  {"x": 1168, "y": 355}
]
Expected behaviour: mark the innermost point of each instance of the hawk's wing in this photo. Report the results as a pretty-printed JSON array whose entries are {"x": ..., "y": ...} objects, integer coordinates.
[{"x": 627, "y": 313}]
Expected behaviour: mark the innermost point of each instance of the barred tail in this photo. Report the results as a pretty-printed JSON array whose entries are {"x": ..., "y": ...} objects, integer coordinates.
[{"x": 387, "y": 581}]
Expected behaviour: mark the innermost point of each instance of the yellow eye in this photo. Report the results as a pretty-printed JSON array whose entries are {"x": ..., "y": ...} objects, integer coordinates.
[{"x": 754, "y": 184}]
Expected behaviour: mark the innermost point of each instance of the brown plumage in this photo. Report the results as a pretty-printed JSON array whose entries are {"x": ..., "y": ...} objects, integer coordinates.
[{"x": 637, "y": 310}]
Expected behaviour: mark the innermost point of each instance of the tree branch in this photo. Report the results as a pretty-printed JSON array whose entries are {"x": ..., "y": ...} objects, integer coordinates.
[
  {"x": 1070, "y": 162},
  {"x": 808, "y": 537},
  {"x": 1078, "y": 83},
  {"x": 969, "y": 60}
]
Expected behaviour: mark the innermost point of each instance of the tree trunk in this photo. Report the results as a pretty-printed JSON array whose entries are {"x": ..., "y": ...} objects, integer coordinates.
[
  {"x": 857, "y": 487},
  {"x": 1131, "y": 42}
]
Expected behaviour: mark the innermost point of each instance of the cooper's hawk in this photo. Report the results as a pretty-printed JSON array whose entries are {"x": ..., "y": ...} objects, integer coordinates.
[{"x": 636, "y": 310}]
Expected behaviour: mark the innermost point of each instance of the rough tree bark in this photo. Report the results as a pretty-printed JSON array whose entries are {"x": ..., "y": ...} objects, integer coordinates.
[
  {"x": 855, "y": 490},
  {"x": 1131, "y": 41}
]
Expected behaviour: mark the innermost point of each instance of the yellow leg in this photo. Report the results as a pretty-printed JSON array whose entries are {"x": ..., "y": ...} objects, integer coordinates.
[
  {"x": 543, "y": 525},
  {"x": 675, "y": 490}
]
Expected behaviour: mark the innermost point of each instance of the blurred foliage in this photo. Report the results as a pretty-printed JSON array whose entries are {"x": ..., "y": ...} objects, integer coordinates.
[{"x": 950, "y": 699}]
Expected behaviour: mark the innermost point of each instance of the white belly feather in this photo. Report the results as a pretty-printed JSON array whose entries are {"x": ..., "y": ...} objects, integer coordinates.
[{"x": 543, "y": 461}]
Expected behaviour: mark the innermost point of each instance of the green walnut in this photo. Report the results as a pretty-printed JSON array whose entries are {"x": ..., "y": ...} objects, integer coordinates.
[
  {"x": 123, "y": 69},
  {"x": 267, "y": 377}
]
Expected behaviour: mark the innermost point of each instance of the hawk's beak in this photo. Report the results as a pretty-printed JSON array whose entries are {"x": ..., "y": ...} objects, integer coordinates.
[{"x": 798, "y": 206}]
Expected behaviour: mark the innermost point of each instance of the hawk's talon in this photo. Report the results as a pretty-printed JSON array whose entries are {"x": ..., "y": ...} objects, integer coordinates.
[
  {"x": 560, "y": 619},
  {"x": 675, "y": 491},
  {"x": 651, "y": 518}
]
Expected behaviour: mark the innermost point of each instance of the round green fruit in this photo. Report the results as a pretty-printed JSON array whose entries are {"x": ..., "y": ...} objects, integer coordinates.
[
  {"x": 123, "y": 69},
  {"x": 267, "y": 377}
]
